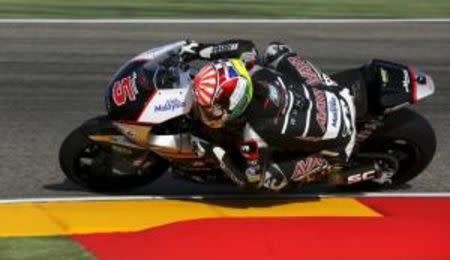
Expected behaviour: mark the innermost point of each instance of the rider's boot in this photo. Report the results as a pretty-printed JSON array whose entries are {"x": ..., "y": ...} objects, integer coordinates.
[{"x": 379, "y": 170}]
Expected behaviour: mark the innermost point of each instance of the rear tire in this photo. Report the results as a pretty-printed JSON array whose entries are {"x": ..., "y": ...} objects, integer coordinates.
[
  {"x": 101, "y": 175},
  {"x": 410, "y": 138}
]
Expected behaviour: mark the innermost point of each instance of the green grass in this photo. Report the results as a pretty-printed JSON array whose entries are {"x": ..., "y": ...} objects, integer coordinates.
[
  {"x": 224, "y": 8},
  {"x": 47, "y": 248}
]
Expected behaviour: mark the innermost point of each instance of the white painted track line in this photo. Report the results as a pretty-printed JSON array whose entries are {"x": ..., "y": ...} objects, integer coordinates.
[
  {"x": 230, "y": 21},
  {"x": 229, "y": 197}
]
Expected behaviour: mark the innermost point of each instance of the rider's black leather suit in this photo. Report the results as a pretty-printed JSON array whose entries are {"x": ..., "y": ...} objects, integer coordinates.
[{"x": 294, "y": 107}]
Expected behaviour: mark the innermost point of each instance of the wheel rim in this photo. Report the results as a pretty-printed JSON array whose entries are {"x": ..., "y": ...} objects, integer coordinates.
[
  {"x": 91, "y": 162},
  {"x": 405, "y": 152}
]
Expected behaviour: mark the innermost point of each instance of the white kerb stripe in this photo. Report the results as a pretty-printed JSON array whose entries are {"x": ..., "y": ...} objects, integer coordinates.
[
  {"x": 288, "y": 112},
  {"x": 308, "y": 115}
]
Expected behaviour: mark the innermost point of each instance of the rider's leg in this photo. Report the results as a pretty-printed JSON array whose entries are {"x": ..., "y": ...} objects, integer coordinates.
[
  {"x": 320, "y": 168},
  {"x": 290, "y": 173}
]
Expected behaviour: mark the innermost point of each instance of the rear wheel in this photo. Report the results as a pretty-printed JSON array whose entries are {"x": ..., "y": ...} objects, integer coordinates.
[
  {"x": 105, "y": 167},
  {"x": 408, "y": 137}
]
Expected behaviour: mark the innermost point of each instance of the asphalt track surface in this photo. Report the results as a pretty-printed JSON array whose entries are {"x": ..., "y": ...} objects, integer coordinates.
[{"x": 52, "y": 78}]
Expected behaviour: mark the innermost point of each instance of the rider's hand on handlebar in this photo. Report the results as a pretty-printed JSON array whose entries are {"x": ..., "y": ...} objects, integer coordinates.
[{"x": 189, "y": 50}]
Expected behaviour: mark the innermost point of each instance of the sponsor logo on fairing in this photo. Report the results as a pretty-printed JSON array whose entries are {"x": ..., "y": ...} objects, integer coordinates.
[
  {"x": 321, "y": 107},
  {"x": 125, "y": 89},
  {"x": 225, "y": 47},
  {"x": 170, "y": 105},
  {"x": 306, "y": 70}
]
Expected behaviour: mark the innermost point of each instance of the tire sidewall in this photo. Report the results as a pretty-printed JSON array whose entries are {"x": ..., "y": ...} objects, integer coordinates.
[{"x": 78, "y": 140}]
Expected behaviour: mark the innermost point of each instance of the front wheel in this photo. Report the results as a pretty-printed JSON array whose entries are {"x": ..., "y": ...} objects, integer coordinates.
[{"x": 105, "y": 167}]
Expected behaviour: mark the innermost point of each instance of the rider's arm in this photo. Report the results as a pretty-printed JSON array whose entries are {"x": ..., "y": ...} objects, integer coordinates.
[
  {"x": 247, "y": 166},
  {"x": 256, "y": 154}
]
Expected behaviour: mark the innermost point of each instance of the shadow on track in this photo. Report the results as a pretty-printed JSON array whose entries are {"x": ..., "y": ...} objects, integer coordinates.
[{"x": 183, "y": 189}]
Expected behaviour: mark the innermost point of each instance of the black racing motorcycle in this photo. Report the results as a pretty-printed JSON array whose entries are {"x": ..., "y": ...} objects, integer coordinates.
[{"x": 148, "y": 130}]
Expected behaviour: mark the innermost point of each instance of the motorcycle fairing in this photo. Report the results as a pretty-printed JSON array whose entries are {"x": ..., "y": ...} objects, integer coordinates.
[
  {"x": 166, "y": 104},
  {"x": 399, "y": 85},
  {"x": 422, "y": 85},
  {"x": 131, "y": 107},
  {"x": 157, "y": 53},
  {"x": 135, "y": 69}
]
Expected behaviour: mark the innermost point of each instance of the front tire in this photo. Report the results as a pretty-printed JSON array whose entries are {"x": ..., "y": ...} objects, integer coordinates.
[{"x": 104, "y": 167}]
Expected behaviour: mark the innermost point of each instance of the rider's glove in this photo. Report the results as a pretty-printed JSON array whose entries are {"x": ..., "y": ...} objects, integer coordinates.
[
  {"x": 275, "y": 50},
  {"x": 189, "y": 51}
]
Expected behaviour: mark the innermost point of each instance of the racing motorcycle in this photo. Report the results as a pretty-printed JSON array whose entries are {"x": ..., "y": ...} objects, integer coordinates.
[{"x": 149, "y": 131}]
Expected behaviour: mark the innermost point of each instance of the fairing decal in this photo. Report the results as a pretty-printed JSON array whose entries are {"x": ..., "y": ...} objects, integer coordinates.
[
  {"x": 167, "y": 104},
  {"x": 422, "y": 85}
]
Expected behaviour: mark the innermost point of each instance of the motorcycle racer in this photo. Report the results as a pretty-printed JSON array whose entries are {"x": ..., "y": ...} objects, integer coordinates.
[{"x": 283, "y": 100}]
